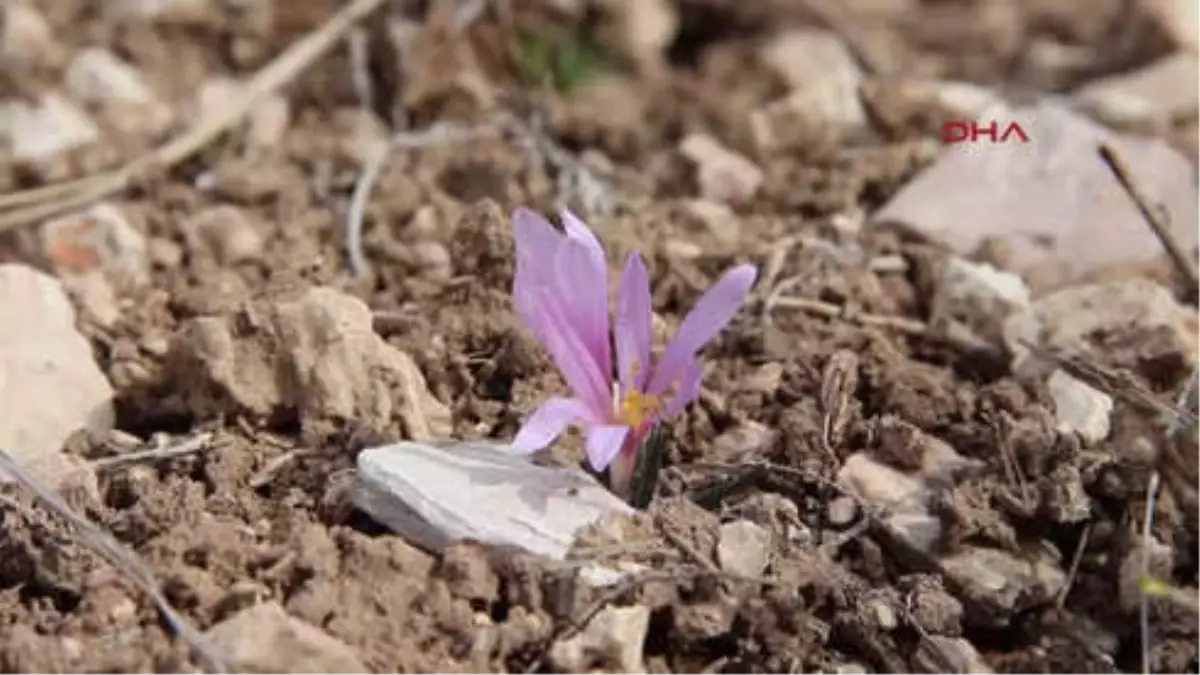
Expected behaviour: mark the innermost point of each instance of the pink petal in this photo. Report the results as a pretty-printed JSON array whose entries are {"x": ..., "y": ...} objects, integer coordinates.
[
  {"x": 604, "y": 443},
  {"x": 582, "y": 290},
  {"x": 535, "y": 237},
  {"x": 689, "y": 389},
  {"x": 577, "y": 230},
  {"x": 536, "y": 242},
  {"x": 548, "y": 422},
  {"x": 553, "y": 294},
  {"x": 570, "y": 354},
  {"x": 710, "y": 316},
  {"x": 633, "y": 331}
]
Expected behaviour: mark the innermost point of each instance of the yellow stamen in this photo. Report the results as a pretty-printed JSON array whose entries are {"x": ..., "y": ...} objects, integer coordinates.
[{"x": 635, "y": 407}]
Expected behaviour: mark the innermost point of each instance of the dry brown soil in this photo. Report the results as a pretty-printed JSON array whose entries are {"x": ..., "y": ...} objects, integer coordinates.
[{"x": 258, "y": 515}]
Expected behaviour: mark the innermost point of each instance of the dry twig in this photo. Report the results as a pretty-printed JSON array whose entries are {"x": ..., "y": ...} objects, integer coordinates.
[
  {"x": 955, "y": 335},
  {"x": 1143, "y": 601},
  {"x": 1155, "y": 217},
  {"x": 838, "y": 384},
  {"x": 117, "y": 555},
  {"x": 196, "y": 444},
  {"x": 49, "y": 201},
  {"x": 441, "y": 133}
]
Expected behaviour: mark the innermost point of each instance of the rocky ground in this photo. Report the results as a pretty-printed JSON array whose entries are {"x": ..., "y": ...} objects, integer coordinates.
[{"x": 951, "y": 430}]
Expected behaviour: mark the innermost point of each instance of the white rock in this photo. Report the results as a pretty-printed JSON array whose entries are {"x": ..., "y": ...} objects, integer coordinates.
[
  {"x": 742, "y": 548},
  {"x": 602, "y": 576},
  {"x": 641, "y": 29},
  {"x": 166, "y": 11},
  {"x": 25, "y": 37},
  {"x": 723, "y": 175},
  {"x": 1179, "y": 18},
  {"x": 968, "y": 99},
  {"x": 745, "y": 442},
  {"x": 1001, "y": 581},
  {"x": 717, "y": 218},
  {"x": 266, "y": 639},
  {"x": 1052, "y": 189},
  {"x": 434, "y": 495},
  {"x": 612, "y": 640},
  {"x": 226, "y": 232},
  {"x": 1066, "y": 319},
  {"x": 902, "y": 496},
  {"x": 1080, "y": 408},
  {"x": 50, "y": 385},
  {"x": 1153, "y": 96},
  {"x": 97, "y": 77},
  {"x": 822, "y": 74},
  {"x": 33, "y": 130},
  {"x": 980, "y": 296},
  {"x": 97, "y": 238},
  {"x": 269, "y": 121}
]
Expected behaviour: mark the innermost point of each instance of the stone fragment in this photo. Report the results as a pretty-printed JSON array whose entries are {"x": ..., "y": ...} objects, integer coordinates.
[
  {"x": 44, "y": 127},
  {"x": 226, "y": 233},
  {"x": 721, "y": 174},
  {"x": 435, "y": 494},
  {"x": 50, "y": 384},
  {"x": 823, "y": 77},
  {"x": 1080, "y": 408},
  {"x": 97, "y": 77},
  {"x": 266, "y": 639},
  {"x": 742, "y": 548},
  {"x": 613, "y": 640},
  {"x": 314, "y": 358}
]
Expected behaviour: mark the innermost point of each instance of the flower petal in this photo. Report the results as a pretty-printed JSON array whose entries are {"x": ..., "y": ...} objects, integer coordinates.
[
  {"x": 536, "y": 242},
  {"x": 688, "y": 390},
  {"x": 604, "y": 442},
  {"x": 633, "y": 324},
  {"x": 579, "y": 231},
  {"x": 711, "y": 314},
  {"x": 548, "y": 422},
  {"x": 535, "y": 237},
  {"x": 581, "y": 286},
  {"x": 551, "y": 294},
  {"x": 571, "y": 355}
]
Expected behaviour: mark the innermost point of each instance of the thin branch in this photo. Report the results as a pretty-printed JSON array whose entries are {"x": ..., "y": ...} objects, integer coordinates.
[
  {"x": 1144, "y": 601},
  {"x": 197, "y": 444},
  {"x": 442, "y": 133},
  {"x": 1154, "y": 217},
  {"x": 50, "y": 201}
]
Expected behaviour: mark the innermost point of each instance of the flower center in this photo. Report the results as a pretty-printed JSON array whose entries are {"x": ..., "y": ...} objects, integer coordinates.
[{"x": 634, "y": 408}]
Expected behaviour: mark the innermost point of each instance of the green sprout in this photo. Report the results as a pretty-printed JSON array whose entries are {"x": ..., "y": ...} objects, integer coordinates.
[
  {"x": 1154, "y": 587},
  {"x": 563, "y": 64}
]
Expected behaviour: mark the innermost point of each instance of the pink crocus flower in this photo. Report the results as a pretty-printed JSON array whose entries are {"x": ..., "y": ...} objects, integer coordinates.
[{"x": 561, "y": 293}]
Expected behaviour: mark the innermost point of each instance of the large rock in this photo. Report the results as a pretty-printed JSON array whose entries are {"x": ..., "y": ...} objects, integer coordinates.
[
  {"x": 50, "y": 385},
  {"x": 266, "y": 639},
  {"x": 1051, "y": 202},
  {"x": 314, "y": 359}
]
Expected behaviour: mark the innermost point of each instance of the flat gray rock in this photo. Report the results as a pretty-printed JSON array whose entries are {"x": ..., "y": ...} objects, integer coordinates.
[
  {"x": 434, "y": 494},
  {"x": 1052, "y": 201}
]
